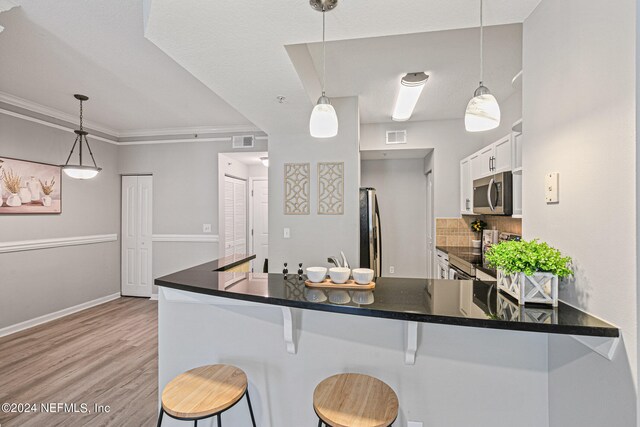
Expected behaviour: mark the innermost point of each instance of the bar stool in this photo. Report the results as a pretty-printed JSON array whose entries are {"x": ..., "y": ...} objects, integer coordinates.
[
  {"x": 204, "y": 392},
  {"x": 355, "y": 400}
]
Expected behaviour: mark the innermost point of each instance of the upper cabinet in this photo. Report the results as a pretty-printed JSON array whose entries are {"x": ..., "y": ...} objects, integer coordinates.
[
  {"x": 502, "y": 156},
  {"x": 492, "y": 159},
  {"x": 466, "y": 187}
]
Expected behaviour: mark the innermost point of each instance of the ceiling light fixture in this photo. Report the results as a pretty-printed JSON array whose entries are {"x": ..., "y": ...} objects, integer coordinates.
[
  {"x": 324, "y": 121},
  {"x": 81, "y": 171},
  {"x": 411, "y": 87},
  {"x": 265, "y": 161},
  {"x": 483, "y": 111}
]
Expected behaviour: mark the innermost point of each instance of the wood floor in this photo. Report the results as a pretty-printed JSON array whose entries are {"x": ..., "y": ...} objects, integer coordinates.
[{"x": 105, "y": 355}]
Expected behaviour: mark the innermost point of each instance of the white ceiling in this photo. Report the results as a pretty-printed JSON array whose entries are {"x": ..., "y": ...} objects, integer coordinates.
[
  {"x": 50, "y": 50},
  {"x": 237, "y": 48},
  {"x": 450, "y": 58},
  {"x": 248, "y": 158}
]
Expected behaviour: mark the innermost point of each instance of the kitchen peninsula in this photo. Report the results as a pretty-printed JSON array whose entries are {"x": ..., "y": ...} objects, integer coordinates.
[{"x": 407, "y": 332}]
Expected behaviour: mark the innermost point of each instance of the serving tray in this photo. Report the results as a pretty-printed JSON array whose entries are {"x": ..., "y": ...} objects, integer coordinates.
[{"x": 349, "y": 284}]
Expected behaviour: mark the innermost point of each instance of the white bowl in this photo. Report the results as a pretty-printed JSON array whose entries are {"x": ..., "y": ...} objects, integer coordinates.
[
  {"x": 315, "y": 295},
  {"x": 316, "y": 274},
  {"x": 363, "y": 276},
  {"x": 339, "y": 274}
]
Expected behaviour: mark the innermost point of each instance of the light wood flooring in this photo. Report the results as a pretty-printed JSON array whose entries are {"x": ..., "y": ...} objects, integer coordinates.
[{"x": 106, "y": 355}]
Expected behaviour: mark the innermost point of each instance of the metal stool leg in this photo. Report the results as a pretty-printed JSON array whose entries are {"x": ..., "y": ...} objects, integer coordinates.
[
  {"x": 160, "y": 416},
  {"x": 253, "y": 420},
  {"x": 195, "y": 423},
  {"x": 219, "y": 420}
]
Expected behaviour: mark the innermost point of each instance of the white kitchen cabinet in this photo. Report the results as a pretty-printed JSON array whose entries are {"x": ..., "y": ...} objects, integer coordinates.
[
  {"x": 516, "y": 137},
  {"x": 492, "y": 159},
  {"x": 481, "y": 165},
  {"x": 466, "y": 187},
  {"x": 502, "y": 155}
]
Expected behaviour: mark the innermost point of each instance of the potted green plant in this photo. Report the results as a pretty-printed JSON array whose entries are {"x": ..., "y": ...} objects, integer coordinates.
[{"x": 529, "y": 270}]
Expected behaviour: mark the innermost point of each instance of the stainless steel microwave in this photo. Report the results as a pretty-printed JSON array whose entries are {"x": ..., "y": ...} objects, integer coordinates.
[{"x": 493, "y": 195}]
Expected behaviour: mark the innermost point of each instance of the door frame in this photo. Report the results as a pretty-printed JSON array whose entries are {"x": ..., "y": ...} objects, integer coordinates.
[
  {"x": 431, "y": 267},
  {"x": 250, "y": 222}
]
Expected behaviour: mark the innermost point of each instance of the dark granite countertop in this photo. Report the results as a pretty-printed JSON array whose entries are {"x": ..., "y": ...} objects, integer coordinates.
[
  {"x": 472, "y": 255},
  {"x": 222, "y": 264},
  {"x": 453, "y": 302}
]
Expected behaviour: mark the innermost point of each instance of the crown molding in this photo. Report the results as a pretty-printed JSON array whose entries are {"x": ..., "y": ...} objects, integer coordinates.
[
  {"x": 197, "y": 130},
  {"x": 52, "y": 112},
  {"x": 112, "y": 136}
]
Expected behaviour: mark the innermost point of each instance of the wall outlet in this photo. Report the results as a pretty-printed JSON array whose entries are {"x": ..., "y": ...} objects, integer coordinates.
[
  {"x": 287, "y": 233},
  {"x": 414, "y": 424},
  {"x": 206, "y": 228},
  {"x": 392, "y": 270}
]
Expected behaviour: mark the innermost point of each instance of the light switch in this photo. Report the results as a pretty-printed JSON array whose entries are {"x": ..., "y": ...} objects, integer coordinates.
[
  {"x": 287, "y": 233},
  {"x": 551, "y": 187},
  {"x": 206, "y": 228}
]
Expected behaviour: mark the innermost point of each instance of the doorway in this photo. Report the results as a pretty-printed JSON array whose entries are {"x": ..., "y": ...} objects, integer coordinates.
[
  {"x": 137, "y": 250},
  {"x": 243, "y": 207}
]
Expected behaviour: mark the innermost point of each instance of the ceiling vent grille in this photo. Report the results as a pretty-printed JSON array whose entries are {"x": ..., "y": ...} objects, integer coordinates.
[
  {"x": 396, "y": 137},
  {"x": 244, "y": 141}
]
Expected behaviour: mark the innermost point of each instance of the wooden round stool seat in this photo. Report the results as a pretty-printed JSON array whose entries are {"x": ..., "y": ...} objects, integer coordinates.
[
  {"x": 355, "y": 400},
  {"x": 204, "y": 391}
]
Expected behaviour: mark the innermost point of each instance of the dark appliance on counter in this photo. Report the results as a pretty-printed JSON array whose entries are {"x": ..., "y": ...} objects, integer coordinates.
[
  {"x": 493, "y": 195},
  {"x": 370, "y": 233}
]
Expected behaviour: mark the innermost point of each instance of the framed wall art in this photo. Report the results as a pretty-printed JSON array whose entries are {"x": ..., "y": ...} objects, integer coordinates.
[{"x": 29, "y": 187}]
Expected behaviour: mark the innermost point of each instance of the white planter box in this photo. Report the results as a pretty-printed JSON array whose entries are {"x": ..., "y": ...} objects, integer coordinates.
[
  {"x": 541, "y": 288},
  {"x": 508, "y": 310}
]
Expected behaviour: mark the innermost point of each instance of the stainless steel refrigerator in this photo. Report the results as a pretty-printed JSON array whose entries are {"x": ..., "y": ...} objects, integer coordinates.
[{"x": 370, "y": 232}]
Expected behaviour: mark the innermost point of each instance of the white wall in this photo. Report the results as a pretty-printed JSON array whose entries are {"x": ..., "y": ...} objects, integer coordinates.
[
  {"x": 39, "y": 282},
  {"x": 315, "y": 237},
  {"x": 451, "y": 143},
  {"x": 579, "y": 111},
  {"x": 185, "y": 196},
  {"x": 401, "y": 186}
]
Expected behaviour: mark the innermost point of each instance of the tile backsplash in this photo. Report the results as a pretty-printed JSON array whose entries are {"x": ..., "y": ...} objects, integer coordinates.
[{"x": 457, "y": 231}]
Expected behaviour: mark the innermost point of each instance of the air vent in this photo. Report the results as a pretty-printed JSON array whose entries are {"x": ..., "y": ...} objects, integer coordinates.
[
  {"x": 396, "y": 137},
  {"x": 243, "y": 141}
]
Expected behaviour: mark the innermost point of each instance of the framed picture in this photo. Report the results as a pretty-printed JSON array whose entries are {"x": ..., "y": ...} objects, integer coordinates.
[{"x": 29, "y": 187}]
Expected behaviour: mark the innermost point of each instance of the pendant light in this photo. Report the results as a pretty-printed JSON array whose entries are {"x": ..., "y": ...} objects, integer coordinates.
[
  {"x": 483, "y": 111},
  {"x": 324, "y": 121},
  {"x": 81, "y": 171}
]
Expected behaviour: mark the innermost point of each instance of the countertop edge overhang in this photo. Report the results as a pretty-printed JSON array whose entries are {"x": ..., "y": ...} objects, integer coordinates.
[{"x": 174, "y": 282}]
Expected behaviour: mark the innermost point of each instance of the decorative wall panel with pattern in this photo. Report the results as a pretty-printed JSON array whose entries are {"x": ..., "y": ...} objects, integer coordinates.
[
  {"x": 331, "y": 188},
  {"x": 296, "y": 188}
]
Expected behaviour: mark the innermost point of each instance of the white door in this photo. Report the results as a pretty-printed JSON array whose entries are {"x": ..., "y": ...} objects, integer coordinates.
[
  {"x": 430, "y": 239},
  {"x": 260, "y": 223},
  {"x": 137, "y": 203},
  {"x": 235, "y": 221}
]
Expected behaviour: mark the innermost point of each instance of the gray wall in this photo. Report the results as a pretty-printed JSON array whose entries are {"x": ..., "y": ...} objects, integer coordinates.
[
  {"x": 39, "y": 282},
  {"x": 451, "y": 143},
  {"x": 185, "y": 196},
  {"x": 401, "y": 186},
  {"x": 579, "y": 120},
  {"x": 313, "y": 236}
]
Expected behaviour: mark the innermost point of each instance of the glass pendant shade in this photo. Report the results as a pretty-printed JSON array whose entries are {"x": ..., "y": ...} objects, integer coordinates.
[
  {"x": 483, "y": 113},
  {"x": 80, "y": 172},
  {"x": 324, "y": 120}
]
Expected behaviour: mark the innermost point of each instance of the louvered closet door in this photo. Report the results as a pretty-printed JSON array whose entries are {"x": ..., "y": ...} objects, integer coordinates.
[
  {"x": 235, "y": 222},
  {"x": 136, "y": 261}
]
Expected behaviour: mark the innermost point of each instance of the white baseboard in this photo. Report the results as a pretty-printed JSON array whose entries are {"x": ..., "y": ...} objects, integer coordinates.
[
  {"x": 56, "y": 315},
  {"x": 154, "y": 297}
]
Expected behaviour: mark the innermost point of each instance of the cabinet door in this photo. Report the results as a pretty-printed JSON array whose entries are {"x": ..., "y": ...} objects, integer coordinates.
[
  {"x": 466, "y": 187},
  {"x": 482, "y": 162},
  {"x": 502, "y": 155}
]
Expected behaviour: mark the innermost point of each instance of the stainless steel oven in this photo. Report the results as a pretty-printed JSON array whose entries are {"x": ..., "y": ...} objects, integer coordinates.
[{"x": 493, "y": 195}]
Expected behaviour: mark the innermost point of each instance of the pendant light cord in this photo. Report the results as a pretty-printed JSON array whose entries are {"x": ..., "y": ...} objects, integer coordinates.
[
  {"x": 481, "y": 46},
  {"x": 324, "y": 52}
]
